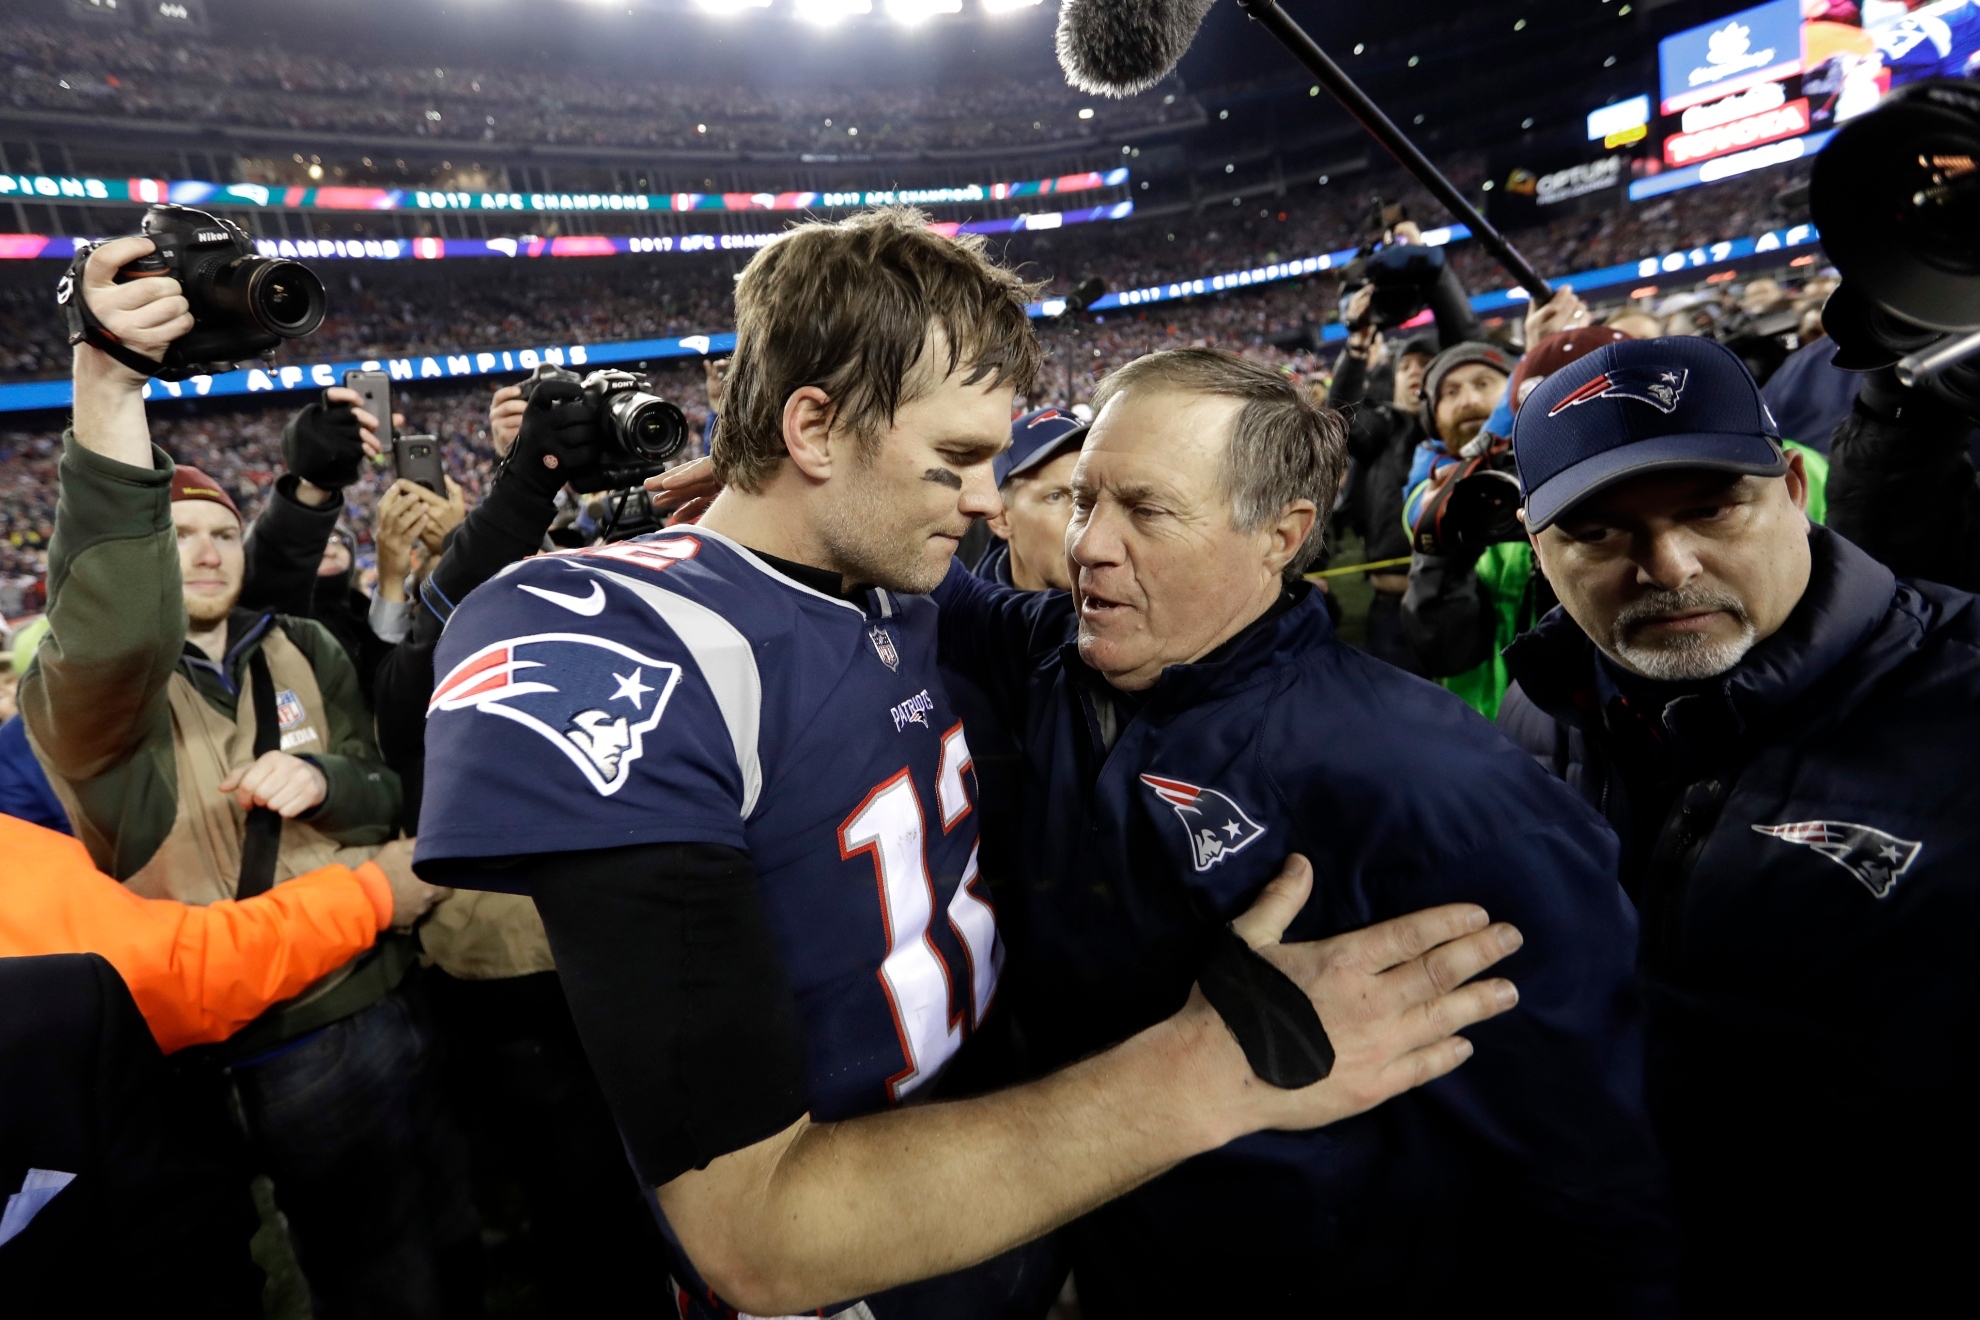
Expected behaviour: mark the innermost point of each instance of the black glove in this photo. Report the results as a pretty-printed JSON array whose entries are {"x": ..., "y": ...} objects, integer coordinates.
[
  {"x": 321, "y": 445},
  {"x": 558, "y": 439}
]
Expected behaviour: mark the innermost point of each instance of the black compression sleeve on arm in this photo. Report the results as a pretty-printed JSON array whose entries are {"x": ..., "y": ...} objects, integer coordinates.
[
  {"x": 503, "y": 528},
  {"x": 680, "y": 995}
]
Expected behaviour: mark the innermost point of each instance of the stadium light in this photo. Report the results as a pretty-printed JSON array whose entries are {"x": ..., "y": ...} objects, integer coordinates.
[
  {"x": 1008, "y": 6},
  {"x": 728, "y": 7},
  {"x": 914, "y": 11},
  {"x": 831, "y": 11}
]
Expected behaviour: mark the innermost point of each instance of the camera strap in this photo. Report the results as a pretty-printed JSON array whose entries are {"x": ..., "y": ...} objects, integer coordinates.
[
  {"x": 261, "y": 843},
  {"x": 84, "y": 328}
]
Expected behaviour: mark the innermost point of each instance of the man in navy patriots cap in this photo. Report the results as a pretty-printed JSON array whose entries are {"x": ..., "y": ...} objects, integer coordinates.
[
  {"x": 1034, "y": 477},
  {"x": 1782, "y": 734}
]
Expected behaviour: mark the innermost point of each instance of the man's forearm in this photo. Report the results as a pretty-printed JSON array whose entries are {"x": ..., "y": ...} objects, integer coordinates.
[
  {"x": 285, "y": 547},
  {"x": 1450, "y": 308},
  {"x": 832, "y": 1211},
  {"x": 109, "y": 409},
  {"x": 507, "y": 526},
  {"x": 1350, "y": 380}
]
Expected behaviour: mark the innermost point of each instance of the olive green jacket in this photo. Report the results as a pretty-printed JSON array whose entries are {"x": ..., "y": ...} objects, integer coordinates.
[{"x": 95, "y": 696}]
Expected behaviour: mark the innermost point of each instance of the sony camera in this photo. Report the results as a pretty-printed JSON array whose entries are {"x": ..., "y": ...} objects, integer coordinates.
[
  {"x": 242, "y": 304},
  {"x": 1896, "y": 195},
  {"x": 1403, "y": 273},
  {"x": 637, "y": 432}
]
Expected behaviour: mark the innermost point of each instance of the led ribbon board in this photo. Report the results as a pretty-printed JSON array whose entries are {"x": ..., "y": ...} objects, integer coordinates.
[
  {"x": 190, "y": 192},
  {"x": 470, "y": 363},
  {"x": 28, "y": 246}
]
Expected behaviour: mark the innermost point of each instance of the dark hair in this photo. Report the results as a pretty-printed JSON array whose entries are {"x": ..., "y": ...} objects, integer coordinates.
[
  {"x": 1283, "y": 447},
  {"x": 855, "y": 308}
]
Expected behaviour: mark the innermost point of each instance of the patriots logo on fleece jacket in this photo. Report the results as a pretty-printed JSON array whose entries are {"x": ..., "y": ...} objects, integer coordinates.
[
  {"x": 1872, "y": 856},
  {"x": 1217, "y": 826}
]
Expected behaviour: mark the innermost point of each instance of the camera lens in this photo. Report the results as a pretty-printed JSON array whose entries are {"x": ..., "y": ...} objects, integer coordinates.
[
  {"x": 648, "y": 425},
  {"x": 1941, "y": 225},
  {"x": 284, "y": 298},
  {"x": 1896, "y": 195}
]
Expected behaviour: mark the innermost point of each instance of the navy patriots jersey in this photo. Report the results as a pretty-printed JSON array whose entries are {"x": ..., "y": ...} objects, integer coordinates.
[{"x": 677, "y": 689}]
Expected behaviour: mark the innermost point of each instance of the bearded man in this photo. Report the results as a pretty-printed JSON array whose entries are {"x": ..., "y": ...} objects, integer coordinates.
[{"x": 1779, "y": 731}]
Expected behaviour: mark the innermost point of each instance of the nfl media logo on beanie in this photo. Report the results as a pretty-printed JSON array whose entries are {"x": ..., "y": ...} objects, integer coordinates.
[{"x": 1637, "y": 406}]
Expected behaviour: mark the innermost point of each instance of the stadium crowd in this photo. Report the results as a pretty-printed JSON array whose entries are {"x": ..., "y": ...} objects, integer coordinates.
[
  {"x": 1436, "y": 811},
  {"x": 128, "y": 75},
  {"x": 381, "y": 309},
  {"x": 309, "y": 571}
]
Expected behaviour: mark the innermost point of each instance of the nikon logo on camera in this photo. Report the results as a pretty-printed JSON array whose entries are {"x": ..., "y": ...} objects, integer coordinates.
[{"x": 211, "y": 236}]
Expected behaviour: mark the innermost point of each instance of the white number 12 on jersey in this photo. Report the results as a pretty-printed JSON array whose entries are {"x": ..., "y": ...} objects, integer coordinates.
[{"x": 890, "y": 825}]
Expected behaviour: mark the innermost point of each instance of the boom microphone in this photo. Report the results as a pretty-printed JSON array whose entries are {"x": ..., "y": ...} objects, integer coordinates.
[{"x": 1120, "y": 47}]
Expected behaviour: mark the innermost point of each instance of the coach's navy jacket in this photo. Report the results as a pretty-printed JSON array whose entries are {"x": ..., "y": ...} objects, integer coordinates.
[
  {"x": 1805, "y": 837},
  {"x": 1530, "y": 1172}
]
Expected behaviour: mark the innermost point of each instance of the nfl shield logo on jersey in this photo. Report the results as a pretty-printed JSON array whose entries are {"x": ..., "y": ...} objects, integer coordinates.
[
  {"x": 1217, "y": 826},
  {"x": 592, "y": 699},
  {"x": 883, "y": 646}
]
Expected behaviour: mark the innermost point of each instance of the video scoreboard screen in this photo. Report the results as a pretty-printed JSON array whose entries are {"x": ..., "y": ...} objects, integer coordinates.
[{"x": 1773, "y": 74}]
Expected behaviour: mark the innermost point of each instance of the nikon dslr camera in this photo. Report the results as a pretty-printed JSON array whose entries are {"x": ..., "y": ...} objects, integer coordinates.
[
  {"x": 242, "y": 304},
  {"x": 636, "y": 432}
]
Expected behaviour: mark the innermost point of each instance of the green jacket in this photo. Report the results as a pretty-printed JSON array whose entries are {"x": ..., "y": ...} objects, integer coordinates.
[
  {"x": 95, "y": 696},
  {"x": 1504, "y": 582}
]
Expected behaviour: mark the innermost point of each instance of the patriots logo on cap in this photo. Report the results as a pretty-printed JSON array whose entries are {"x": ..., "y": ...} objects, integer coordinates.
[
  {"x": 1217, "y": 827},
  {"x": 592, "y": 699},
  {"x": 1875, "y": 858},
  {"x": 1048, "y": 415},
  {"x": 1660, "y": 387}
]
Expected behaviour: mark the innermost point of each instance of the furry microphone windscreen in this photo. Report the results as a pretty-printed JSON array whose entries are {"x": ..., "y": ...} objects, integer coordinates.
[{"x": 1120, "y": 47}]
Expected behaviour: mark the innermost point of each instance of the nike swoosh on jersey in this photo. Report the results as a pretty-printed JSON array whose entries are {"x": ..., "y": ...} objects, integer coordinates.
[{"x": 589, "y": 606}]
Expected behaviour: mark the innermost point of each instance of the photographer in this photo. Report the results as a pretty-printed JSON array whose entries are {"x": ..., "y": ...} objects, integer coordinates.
[
  {"x": 205, "y": 751},
  {"x": 1903, "y": 484},
  {"x": 1461, "y": 599},
  {"x": 1403, "y": 276},
  {"x": 517, "y": 1071},
  {"x": 294, "y": 565},
  {"x": 409, "y": 535},
  {"x": 1382, "y": 440}
]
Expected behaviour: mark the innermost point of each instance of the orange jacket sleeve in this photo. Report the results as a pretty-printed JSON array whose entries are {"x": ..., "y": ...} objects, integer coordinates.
[{"x": 198, "y": 974}]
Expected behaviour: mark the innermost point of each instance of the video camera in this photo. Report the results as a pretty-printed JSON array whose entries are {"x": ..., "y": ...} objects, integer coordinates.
[
  {"x": 1403, "y": 273},
  {"x": 242, "y": 304},
  {"x": 1475, "y": 506},
  {"x": 1896, "y": 195},
  {"x": 636, "y": 434}
]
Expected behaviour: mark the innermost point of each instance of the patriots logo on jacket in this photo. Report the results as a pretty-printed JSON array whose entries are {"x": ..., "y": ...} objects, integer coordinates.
[
  {"x": 592, "y": 699},
  {"x": 1217, "y": 826},
  {"x": 1872, "y": 856},
  {"x": 1660, "y": 387}
]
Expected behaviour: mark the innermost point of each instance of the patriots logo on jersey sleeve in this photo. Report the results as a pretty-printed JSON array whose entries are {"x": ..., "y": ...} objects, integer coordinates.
[
  {"x": 1660, "y": 387},
  {"x": 592, "y": 699},
  {"x": 1875, "y": 858},
  {"x": 1217, "y": 826}
]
